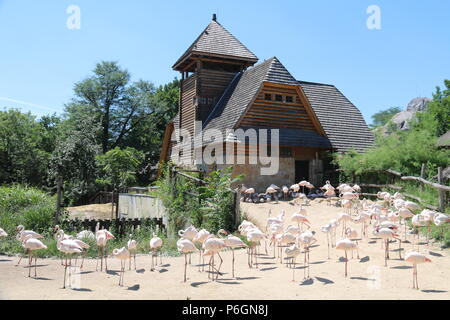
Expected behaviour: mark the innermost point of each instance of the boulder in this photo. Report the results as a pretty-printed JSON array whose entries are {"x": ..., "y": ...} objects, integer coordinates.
[{"x": 418, "y": 104}]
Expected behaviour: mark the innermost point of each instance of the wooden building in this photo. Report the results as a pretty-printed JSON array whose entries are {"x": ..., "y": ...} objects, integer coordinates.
[{"x": 223, "y": 86}]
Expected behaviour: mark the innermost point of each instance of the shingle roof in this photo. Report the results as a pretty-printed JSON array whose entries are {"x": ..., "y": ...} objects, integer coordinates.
[
  {"x": 242, "y": 90},
  {"x": 343, "y": 123},
  {"x": 217, "y": 40}
]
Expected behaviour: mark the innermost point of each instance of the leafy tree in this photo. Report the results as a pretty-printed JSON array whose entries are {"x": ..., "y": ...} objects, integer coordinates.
[
  {"x": 74, "y": 159},
  {"x": 22, "y": 158},
  {"x": 382, "y": 117},
  {"x": 119, "y": 167},
  {"x": 115, "y": 103}
]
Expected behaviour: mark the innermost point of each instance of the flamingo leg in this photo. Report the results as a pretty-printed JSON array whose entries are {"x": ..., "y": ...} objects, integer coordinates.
[
  {"x": 232, "y": 263},
  {"x": 346, "y": 260},
  {"x": 185, "y": 266},
  {"x": 35, "y": 266},
  {"x": 65, "y": 272},
  {"x": 29, "y": 264}
]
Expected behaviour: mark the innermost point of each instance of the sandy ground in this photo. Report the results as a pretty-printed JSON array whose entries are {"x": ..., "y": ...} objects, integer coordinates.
[
  {"x": 368, "y": 278},
  {"x": 91, "y": 211}
]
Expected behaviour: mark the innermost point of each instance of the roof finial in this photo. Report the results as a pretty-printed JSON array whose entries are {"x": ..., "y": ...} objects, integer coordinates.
[{"x": 214, "y": 17}]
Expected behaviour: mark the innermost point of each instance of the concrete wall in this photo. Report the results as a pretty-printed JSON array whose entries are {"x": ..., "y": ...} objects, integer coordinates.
[{"x": 140, "y": 206}]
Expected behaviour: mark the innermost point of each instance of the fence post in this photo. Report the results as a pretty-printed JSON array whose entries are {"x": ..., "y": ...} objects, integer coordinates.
[
  {"x": 422, "y": 175},
  {"x": 58, "y": 198},
  {"x": 237, "y": 203},
  {"x": 441, "y": 192}
]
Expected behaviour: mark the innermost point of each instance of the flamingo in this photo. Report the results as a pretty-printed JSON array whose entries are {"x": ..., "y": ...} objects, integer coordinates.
[
  {"x": 428, "y": 217},
  {"x": 22, "y": 234},
  {"x": 185, "y": 246},
  {"x": 155, "y": 245},
  {"x": 56, "y": 230},
  {"x": 84, "y": 246},
  {"x": 189, "y": 234},
  {"x": 102, "y": 237},
  {"x": 307, "y": 240},
  {"x": 234, "y": 242},
  {"x": 405, "y": 213},
  {"x": 300, "y": 219},
  {"x": 68, "y": 247},
  {"x": 272, "y": 191},
  {"x": 275, "y": 229},
  {"x": 254, "y": 236},
  {"x": 334, "y": 224},
  {"x": 285, "y": 239},
  {"x": 440, "y": 220},
  {"x": 292, "y": 252},
  {"x": 86, "y": 235},
  {"x": 418, "y": 221},
  {"x": 122, "y": 254},
  {"x": 386, "y": 234},
  {"x": 132, "y": 247},
  {"x": 346, "y": 244},
  {"x": 3, "y": 233},
  {"x": 31, "y": 244},
  {"x": 285, "y": 190},
  {"x": 327, "y": 229},
  {"x": 416, "y": 258},
  {"x": 352, "y": 234},
  {"x": 411, "y": 206},
  {"x": 344, "y": 217},
  {"x": 200, "y": 238}
]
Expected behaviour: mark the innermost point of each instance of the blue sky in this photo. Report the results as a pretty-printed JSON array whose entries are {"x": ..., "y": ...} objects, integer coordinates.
[{"x": 320, "y": 41}]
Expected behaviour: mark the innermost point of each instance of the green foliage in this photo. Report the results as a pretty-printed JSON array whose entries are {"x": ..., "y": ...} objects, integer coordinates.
[
  {"x": 382, "y": 117},
  {"x": 119, "y": 167},
  {"x": 27, "y": 206},
  {"x": 405, "y": 151},
  {"x": 212, "y": 209},
  {"x": 23, "y": 154}
]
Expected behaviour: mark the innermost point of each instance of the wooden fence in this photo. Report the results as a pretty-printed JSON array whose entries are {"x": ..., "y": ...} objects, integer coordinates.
[
  {"x": 120, "y": 225},
  {"x": 442, "y": 189}
]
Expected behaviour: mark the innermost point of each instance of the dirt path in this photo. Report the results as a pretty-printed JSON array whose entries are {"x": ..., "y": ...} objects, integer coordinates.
[{"x": 368, "y": 278}]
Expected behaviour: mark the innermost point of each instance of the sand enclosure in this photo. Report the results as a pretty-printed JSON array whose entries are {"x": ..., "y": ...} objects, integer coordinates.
[{"x": 368, "y": 278}]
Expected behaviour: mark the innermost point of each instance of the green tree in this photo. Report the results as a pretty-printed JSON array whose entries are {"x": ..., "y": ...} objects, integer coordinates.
[
  {"x": 382, "y": 117},
  {"x": 119, "y": 167},
  {"x": 115, "y": 103},
  {"x": 22, "y": 158}
]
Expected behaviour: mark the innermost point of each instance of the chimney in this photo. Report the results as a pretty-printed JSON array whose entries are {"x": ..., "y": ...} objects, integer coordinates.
[{"x": 214, "y": 17}]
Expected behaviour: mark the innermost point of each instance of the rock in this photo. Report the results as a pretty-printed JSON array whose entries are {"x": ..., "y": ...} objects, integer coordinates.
[
  {"x": 402, "y": 119},
  {"x": 418, "y": 104}
]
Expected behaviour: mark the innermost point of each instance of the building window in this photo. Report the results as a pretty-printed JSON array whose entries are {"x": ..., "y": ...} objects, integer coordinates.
[
  {"x": 285, "y": 152},
  {"x": 289, "y": 99},
  {"x": 267, "y": 96},
  {"x": 279, "y": 98}
]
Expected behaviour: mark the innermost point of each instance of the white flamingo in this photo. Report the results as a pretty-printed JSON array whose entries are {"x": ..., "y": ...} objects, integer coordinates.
[
  {"x": 155, "y": 245},
  {"x": 327, "y": 229},
  {"x": 68, "y": 247},
  {"x": 189, "y": 234},
  {"x": 345, "y": 245},
  {"x": 31, "y": 244},
  {"x": 291, "y": 253},
  {"x": 132, "y": 248},
  {"x": 122, "y": 254},
  {"x": 233, "y": 242},
  {"x": 185, "y": 246},
  {"x": 102, "y": 237},
  {"x": 22, "y": 234},
  {"x": 416, "y": 258}
]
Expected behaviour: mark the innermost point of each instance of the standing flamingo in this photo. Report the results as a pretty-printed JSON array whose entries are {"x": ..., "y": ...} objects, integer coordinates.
[
  {"x": 31, "y": 244},
  {"x": 155, "y": 245},
  {"x": 189, "y": 234},
  {"x": 440, "y": 220},
  {"x": 122, "y": 254},
  {"x": 405, "y": 213},
  {"x": 307, "y": 240},
  {"x": 386, "y": 234},
  {"x": 68, "y": 247},
  {"x": 185, "y": 246},
  {"x": 327, "y": 229},
  {"x": 102, "y": 237},
  {"x": 132, "y": 247},
  {"x": 344, "y": 218},
  {"x": 233, "y": 242},
  {"x": 213, "y": 245},
  {"x": 291, "y": 253},
  {"x": 346, "y": 244},
  {"x": 416, "y": 258},
  {"x": 22, "y": 234},
  {"x": 254, "y": 236}
]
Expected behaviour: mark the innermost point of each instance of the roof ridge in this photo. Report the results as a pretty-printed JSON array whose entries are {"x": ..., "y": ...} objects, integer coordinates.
[{"x": 320, "y": 83}]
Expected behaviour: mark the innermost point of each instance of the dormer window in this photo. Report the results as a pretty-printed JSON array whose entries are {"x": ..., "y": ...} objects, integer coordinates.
[
  {"x": 279, "y": 98},
  {"x": 268, "y": 97},
  {"x": 289, "y": 99}
]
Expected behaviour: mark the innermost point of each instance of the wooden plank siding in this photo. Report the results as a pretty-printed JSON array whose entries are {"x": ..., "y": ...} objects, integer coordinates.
[
  {"x": 211, "y": 86},
  {"x": 274, "y": 114},
  {"x": 188, "y": 112}
]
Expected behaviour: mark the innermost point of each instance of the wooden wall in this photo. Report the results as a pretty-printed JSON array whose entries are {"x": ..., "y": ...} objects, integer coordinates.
[
  {"x": 278, "y": 114},
  {"x": 211, "y": 86}
]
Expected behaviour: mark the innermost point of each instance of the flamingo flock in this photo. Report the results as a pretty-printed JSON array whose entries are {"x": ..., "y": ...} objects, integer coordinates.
[{"x": 290, "y": 235}]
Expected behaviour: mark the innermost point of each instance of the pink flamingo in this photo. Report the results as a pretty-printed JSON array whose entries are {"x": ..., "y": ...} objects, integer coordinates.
[
  {"x": 346, "y": 244},
  {"x": 122, "y": 254},
  {"x": 132, "y": 247},
  {"x": 185, "y": 246},
  {"x": 234, "y": 242},
  {"x": 416, "y": 258},
  {"x": 155, "y": 245},
  {"x": 31, "y": 244}
]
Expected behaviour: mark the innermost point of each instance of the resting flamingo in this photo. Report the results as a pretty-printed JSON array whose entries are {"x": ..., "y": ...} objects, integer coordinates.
[
  {"x": 122, "y": 254},
  {"x": 307, "y": 240},
  {"x": 132, "y": 248},
  {"x": 416, "y": 258},
  {"x": 346, "y": 244},
  {"x": 327, "y": 229},
  {"x": 185, "y": 246},
  {"x": 155, "y": 245},
  {"x": 233, "y": 242},
  {"x": 68, "y": 247},
  {"x": 102, "y": 237},
  {"x": 189, "y": 234},
  {"x": 386, "y": 234},
  {"x": 291, "y": 253}
]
